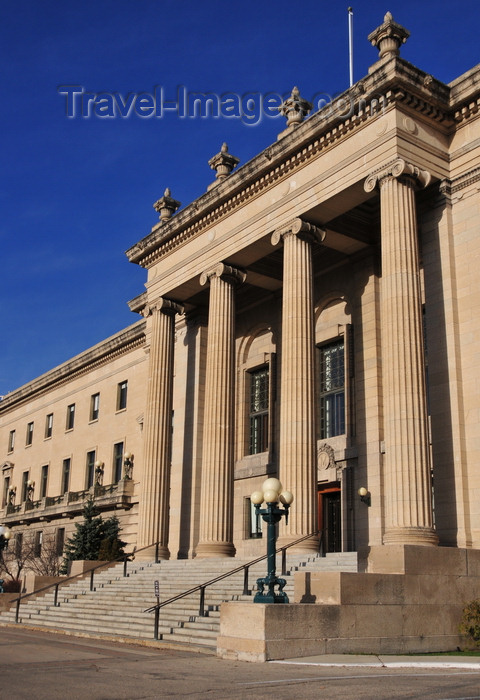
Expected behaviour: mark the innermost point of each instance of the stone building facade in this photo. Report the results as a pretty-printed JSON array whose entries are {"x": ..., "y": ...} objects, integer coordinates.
[{"x": 312, "y": 316}]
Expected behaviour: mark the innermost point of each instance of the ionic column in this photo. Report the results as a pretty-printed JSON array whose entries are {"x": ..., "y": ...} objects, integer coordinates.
[
  {"x": 155, "y": 499},
  {"x": 408, "y": 496},
  {"x": 297, "y": 450},
  {"x": 216, "y": 503}
]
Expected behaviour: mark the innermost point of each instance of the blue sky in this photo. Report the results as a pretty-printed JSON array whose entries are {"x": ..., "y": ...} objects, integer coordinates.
[{"x": 75, "y": 193}]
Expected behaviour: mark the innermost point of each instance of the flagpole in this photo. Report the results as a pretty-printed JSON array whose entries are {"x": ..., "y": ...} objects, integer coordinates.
[{"x": 350, "y": 43}]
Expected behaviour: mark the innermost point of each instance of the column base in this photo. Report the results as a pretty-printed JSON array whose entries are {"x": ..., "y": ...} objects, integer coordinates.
[
  {"x": 149, "y": 553},
  {"x": 411, "y": 535},
  {"x": 214, "y": 549}
]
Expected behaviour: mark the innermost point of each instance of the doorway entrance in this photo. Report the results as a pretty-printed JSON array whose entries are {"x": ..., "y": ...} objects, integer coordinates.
[{"x": 330, "y": 516}]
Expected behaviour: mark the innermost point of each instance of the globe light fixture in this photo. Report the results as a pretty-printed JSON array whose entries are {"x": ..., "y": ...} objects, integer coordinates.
[{"x": 272, "y": 494}]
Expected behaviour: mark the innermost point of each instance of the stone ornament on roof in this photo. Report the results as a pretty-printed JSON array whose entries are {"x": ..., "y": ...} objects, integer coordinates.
[
  {"x": 388, "y": 37},
  {"x": 223, "y": 163},
  {"x": 295, "y": 108},
  {"x": 166, "y": 206}
]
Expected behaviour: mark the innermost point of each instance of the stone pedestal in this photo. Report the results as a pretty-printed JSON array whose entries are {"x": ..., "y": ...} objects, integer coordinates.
[{"x": 417, "y": 609}]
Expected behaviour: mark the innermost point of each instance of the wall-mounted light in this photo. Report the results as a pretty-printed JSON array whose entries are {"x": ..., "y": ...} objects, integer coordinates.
[
  {"x": 98, "y": 472},
  {"x": 365, "y": 495},
  {"x": 127, "y": 465},
  {"x": 30, "y": 489}
]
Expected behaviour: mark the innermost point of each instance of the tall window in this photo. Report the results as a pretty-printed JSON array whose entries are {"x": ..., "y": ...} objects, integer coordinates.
[
  {"x": 38, "y": 541},
  {"x": 117, "y": 461},
  {"x": 24, "y": 486},
  {"x": 18, "y": 544},
  {"x": 332, "y": 389},
  {"x": 122, "y": 395},
  {"x": 11, "y": 441},
  {"x": 29, "y": 436},
  {"x": 70, "y": 417},
  {"x": 6, "y": 487},
  {"x": 253, "y": 522},
  {"x": 44, "y": 481},
  {"x": 66, "y": 475},
  {"x": 49, "y": 425},
  {"x": 90, "y": 471},
  {"x": 259, "y": 390},
  {"x": 94, "y": 406},
  {"x": 60, "y": 541}
]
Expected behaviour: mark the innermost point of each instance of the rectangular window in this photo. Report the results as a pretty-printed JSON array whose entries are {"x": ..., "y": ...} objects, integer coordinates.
[
  {"x": 11, "y": 441},
  {"x": 94, "y": 406},
  {"x": 49, "y": 425},
  {"x": 66, "y": 475},
  {"x": 117, "y": 462},
  {"x": 44, "y": 481},
  {"x": 258, "y": 413},
  {"x": 253, "y": 522},
  {"x": 122, "y": 396},
  {"x": 29, "y": 436},
  {"x": 6, "y": 487},
  {"x": 24, "y": 486},
  {"x": 90, "y": 470},
  {"x": 38, "y": 541},
  {"x": 70, "y": 417},
  {"x": 332, "y": 389},
  {"x": 18, "y": 544},
  {"x": 59, "y": 541}
]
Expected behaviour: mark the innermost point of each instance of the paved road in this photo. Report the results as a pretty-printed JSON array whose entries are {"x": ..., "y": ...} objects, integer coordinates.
[{"x": 43, "y": 666}]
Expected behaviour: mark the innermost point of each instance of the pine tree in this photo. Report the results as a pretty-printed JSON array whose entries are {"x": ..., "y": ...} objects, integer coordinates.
[{"x": 94, "y": 538}]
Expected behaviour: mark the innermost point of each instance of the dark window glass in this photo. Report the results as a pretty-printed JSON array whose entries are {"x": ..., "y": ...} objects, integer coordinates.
[
  {"x": 60, "y": 541},
  {"x": 44, "y": 481},
  {"x": 24, "y": 486},
  {"x": 332, "y": 389},
  {"x": 66, "y": 475},
  {"x": 70, "y": 417},
  {"x": 90, "y": 469},
  {"x": 94, "y": 406},
  {"x": 29, "y": 438},
  {"x": 117, "y": 462},
  {"x": 122, "y": 396},
  {"x": 49, "y": 425},
  {"x": 11, "y": 441},
  {"x": 259, "y": 389}
]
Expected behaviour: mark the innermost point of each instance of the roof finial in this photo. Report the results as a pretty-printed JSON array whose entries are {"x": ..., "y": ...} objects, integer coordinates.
[
  {"x": 388, "y": 37},
  {"x": 166, "y": 206}
]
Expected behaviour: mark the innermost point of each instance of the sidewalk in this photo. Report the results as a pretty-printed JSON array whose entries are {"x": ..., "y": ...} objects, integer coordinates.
[{"x": 386, "y": 661}]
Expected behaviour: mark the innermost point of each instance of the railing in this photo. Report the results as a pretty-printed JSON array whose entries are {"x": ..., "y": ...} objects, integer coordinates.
[
  {"x": 124, "y": 557},
  {"x": 246, "y": 591}
]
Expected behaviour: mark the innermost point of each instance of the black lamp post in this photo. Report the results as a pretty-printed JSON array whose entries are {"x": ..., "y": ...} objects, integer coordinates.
[{"x": 272, "y": 493}]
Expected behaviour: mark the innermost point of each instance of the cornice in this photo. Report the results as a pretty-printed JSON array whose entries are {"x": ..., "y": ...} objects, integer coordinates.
[
  {"x": 101, "y": 354},
  {"x": 450, "y": 187},
  {"x": 395, "y": 82}
]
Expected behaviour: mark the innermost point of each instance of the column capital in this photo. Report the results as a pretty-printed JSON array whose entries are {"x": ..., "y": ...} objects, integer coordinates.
[
  {"x": 302, "y": 229},
  {"x": 166, "y": 306},
  {"x": 398, "y": 169},
  {"x": 226, "y": 272}
]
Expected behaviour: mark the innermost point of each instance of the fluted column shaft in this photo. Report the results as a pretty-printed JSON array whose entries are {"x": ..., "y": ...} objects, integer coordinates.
[
  {"x": 216, "y": 503},
  {"x": 408, "y": 495},
  {"x": 297, "y": 447},
  {"x": 155, "y": 501}
]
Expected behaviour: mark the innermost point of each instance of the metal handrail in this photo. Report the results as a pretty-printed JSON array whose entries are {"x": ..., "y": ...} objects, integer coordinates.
[
  {"x": 202, "y": 586},
  {"x": 124, "y": 557}
]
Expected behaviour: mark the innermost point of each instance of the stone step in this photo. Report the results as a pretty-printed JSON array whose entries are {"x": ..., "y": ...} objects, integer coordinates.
[{"x": 116, "y": 605}]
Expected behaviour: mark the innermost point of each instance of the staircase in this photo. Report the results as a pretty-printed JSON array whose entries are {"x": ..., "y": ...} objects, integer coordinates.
[{"x": 115, "y": 608}]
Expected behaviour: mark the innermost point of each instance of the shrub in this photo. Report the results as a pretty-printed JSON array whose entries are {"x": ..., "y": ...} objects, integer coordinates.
[{"x": 470, "y": 625}]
